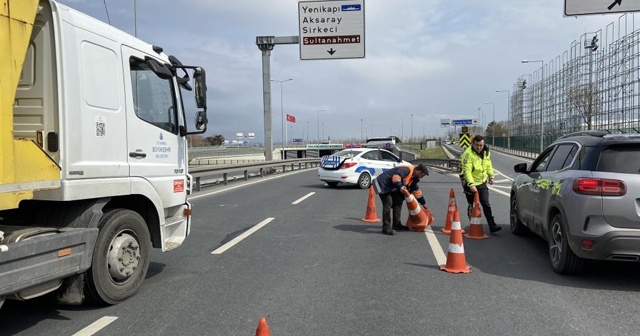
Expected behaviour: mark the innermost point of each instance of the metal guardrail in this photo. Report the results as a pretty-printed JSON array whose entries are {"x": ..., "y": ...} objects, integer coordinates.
[
  {"x": 450, "y": 164},
  {"x": 199, "y": 173}
]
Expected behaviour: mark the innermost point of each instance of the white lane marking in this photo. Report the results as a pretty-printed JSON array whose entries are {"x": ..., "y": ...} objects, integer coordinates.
[
  {"x": 441, "y": 259},
  {"x": 500, "y": 191},
  {"x": 303, "y": 198},
  {"x": 244, "y": 235},
  {"x": 96, "y": 326},
  {"x": 262, "y": 179},
  {"x": 503, "y": 174},
  {"x": 500, "y": 181}
]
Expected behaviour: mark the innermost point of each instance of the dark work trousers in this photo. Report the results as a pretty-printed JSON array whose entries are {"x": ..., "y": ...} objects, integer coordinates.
[
  {"x": 391, "y": 201},
  {"x": 483, "y": 191}
]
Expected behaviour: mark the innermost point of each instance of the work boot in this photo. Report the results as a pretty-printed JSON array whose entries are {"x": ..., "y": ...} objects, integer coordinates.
[
  {"x": 399, "y": 227},
  {"x": 388, "y": 231},
  {"x": 493, "y": 227}
]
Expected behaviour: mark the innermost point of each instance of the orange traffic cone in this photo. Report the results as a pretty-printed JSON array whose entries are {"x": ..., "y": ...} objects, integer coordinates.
[
  {"x": 451, "y": 208},
  {"x": 475, "y": 225},
  {"x": 419, "y": 218},
  {"x": 263, "y": 328},
  {"x": 370, "y": 216},
  {"x": 456, "y": 261}
]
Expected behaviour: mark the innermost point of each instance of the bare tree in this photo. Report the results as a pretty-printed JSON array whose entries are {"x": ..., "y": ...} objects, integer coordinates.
[
  {"x": 585, "y": 99},
  {"x": 501, "y": 128}
]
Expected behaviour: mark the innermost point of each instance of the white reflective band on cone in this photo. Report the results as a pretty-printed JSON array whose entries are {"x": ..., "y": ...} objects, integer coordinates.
[
  {"x": 456, "y": 226},
  {"x": 414, "y": 212},
  {"x": 475, "y": 220},
  {"x": 455, "y": 248},
  {"x": 410, "y": 198}
]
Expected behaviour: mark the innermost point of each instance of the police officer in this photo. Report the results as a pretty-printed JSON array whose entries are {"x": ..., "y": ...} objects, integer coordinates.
[
  {"x": 390, "y": 185},
  {"x": 477, "y": 171}
]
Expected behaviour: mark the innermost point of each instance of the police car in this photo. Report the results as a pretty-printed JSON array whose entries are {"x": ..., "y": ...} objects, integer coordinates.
[{"x": 357, "y": 166}]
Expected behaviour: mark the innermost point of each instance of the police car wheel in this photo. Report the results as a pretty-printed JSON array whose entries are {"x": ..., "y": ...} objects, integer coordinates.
[{"x": 364, "y": 181}]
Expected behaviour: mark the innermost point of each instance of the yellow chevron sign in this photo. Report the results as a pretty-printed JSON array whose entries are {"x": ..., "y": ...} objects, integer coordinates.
[{"x": 465, "y": 140}]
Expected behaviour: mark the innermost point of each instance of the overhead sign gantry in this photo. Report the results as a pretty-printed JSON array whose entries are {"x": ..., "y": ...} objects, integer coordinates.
[{"x": 327, "y": 30}]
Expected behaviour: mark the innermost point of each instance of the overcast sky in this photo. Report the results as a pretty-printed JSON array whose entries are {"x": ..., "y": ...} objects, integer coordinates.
[{"x": 432, "y": 59}]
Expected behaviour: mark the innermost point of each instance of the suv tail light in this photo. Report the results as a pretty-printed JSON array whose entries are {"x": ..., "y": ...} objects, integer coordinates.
[
  {"x": 346, "y": 165},
  {"x": 600, "y": 187}
]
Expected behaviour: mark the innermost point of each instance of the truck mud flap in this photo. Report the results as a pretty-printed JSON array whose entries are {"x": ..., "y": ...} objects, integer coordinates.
[{"x": 44, "y": 258}]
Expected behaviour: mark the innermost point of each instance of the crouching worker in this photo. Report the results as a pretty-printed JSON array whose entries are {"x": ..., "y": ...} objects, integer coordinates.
[{"x": 390, "y": 185}]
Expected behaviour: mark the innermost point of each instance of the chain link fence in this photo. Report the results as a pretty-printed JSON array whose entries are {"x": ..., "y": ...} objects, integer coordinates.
[{"x": 595, "y": 84}]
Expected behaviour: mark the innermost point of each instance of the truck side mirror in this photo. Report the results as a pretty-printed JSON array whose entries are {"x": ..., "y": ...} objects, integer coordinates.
[
  {"x": 201, "y": 121},
  {"x": 200, "y": 84}
]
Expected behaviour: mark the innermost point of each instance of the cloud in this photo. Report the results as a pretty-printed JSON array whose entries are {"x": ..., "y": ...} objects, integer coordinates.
[{"x": 428, "y": 58}]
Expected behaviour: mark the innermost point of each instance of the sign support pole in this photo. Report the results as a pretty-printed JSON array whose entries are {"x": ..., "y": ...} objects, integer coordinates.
[{"x": 266, "y": 44}]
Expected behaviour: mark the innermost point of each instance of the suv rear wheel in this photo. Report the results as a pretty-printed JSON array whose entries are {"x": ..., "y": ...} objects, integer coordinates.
[{"x": 563, "y": 260}]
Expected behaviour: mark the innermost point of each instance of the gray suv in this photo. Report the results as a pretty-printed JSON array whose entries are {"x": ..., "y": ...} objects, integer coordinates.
[{"x": 582, "y": 195}]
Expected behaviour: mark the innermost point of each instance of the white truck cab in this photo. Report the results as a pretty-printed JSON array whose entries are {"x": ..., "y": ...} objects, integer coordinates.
[{"x": 94, "y": 164}]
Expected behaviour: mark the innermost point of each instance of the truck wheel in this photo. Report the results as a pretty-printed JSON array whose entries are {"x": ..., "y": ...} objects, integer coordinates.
[{"x": 120, "y": 258}]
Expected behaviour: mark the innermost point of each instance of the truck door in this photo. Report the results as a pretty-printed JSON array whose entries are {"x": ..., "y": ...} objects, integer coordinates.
[{"x": 156, "y": 151}]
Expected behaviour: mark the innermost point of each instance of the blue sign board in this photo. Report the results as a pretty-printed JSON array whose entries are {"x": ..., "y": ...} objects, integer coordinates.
[{"x": 462, "y": 122}]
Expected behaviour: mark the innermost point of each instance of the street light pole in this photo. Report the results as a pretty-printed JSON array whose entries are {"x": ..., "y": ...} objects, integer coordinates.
[
  {"x": 541, "y": 102},
  {"x": 411, "y": 138},
  {"x": 493, "y": 129},
  {"x": 508, "y": 116},
  {"x": 361, "y": 130},
  {"x": 282, "y": 131},
  {"x": 479, "y": 127},
  {"x": 592, "y": 47},
  {"x": 318, "y": 122}
]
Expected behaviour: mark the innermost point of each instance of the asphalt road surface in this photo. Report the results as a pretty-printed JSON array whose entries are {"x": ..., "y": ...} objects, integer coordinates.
[{"x": 292, "y": 250}]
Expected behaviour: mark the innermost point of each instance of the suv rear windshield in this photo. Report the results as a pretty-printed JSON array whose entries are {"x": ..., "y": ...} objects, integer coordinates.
[{"x": 620, "y": 159}]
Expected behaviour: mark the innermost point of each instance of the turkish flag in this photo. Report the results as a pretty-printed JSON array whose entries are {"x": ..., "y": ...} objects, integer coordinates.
[{"x": 291, "y": 118}]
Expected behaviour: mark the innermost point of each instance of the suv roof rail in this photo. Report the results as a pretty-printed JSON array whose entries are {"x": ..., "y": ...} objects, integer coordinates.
[{"x": 593, "y": 133}]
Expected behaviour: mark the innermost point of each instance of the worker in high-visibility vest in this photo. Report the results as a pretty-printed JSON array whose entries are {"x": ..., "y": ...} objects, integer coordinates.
[{"x": 476, "y": 172}]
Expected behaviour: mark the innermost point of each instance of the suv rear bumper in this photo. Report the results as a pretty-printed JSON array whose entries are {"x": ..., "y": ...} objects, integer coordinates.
[{"x": 620, "y": 245}]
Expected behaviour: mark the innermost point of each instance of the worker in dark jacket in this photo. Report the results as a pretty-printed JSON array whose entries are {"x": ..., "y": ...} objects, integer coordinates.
[{"x": 390, "y": 185}]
